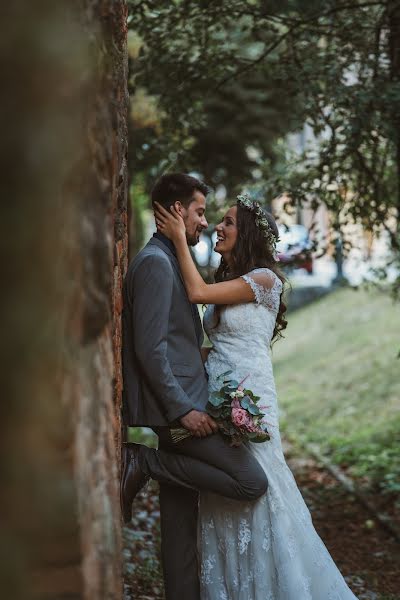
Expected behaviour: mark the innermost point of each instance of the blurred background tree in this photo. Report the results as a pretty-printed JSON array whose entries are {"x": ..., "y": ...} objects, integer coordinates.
[{"x": 217, "y": 87}]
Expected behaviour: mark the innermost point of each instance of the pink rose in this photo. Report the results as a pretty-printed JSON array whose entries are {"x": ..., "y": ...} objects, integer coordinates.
[
  {"x": 239, "y": 417},
  {"x": 250, "y": 425},
  {"x": 235, "y": 403}
]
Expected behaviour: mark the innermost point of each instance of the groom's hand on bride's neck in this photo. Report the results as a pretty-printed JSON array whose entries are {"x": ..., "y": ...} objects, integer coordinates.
[{"x": 199, "y": 424}]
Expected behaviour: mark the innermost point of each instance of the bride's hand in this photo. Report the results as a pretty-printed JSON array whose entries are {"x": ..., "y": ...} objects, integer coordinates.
[{"x": 169, "y": 224}]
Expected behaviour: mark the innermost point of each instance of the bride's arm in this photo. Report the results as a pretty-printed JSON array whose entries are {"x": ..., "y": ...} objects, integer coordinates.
[{"x": 235, "y": 291}]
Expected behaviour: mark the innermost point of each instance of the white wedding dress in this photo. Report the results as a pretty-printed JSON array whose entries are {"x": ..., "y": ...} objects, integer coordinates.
[{"x": 269, "y": 549}]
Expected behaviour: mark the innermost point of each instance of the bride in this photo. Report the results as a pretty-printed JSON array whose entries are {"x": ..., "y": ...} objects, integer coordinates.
[{"x": 268, "y": 549}]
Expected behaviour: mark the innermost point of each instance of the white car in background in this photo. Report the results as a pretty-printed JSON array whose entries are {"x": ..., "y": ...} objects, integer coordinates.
[{"x": 294, "y": 248}]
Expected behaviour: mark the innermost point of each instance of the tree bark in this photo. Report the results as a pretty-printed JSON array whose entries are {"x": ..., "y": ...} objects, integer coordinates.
[{"x": 393, "y": 10}]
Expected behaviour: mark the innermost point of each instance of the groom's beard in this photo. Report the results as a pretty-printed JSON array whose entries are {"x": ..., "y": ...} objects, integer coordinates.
[{"x": 193, "y": 240}]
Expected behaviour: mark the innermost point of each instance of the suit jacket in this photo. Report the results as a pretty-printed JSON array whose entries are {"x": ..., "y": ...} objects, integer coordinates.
[{"x": 163, "y": 372}]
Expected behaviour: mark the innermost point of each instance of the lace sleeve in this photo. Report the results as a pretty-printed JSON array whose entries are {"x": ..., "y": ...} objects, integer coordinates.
[{"x": 266, "y": 286}]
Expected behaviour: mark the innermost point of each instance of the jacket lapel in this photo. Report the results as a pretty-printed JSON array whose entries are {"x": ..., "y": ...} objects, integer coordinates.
[
  {"x": 194, "y": 310},
  {"x": 197, "y": 324}
]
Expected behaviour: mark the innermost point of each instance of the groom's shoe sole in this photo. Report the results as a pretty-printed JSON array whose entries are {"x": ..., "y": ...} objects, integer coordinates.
[{"x": 132, "y": 479}]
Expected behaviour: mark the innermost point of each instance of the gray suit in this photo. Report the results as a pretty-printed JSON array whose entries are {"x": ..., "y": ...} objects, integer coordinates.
[
  {"x": 164, "y": 379},
  {"x": 164, "y": 376}
]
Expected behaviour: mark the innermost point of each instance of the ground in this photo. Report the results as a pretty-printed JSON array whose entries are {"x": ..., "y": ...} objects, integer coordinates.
[{"x": 367, "y": 555}]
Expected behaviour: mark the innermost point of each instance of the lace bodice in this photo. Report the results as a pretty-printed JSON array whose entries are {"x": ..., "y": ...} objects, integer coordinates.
[
  {"x": 238, "y": 331},
  {"x": 267, "y": 288},
  {"x": 241, "y": 333},
  {"x": 241, "y": 336}
]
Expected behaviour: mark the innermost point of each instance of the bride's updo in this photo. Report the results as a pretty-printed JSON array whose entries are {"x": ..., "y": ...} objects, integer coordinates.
[{"x": 255, "y": 248}]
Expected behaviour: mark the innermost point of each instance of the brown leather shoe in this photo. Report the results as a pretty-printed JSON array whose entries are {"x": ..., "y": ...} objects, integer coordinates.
[{"x": 132, "y": 479}]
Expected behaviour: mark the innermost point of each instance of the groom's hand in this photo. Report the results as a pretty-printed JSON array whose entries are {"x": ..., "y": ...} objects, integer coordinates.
[{"x": 199, "y": 424}]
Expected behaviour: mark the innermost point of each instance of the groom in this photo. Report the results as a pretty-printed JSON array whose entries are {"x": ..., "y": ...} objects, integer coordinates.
[{"x": 165, "y": 385}]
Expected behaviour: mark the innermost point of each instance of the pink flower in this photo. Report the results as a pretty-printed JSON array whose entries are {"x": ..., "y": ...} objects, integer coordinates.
[
  {"x": 236, "y": 403},
  {"x": 250, "y": 425},
  {"x": 239, "y": 417}
]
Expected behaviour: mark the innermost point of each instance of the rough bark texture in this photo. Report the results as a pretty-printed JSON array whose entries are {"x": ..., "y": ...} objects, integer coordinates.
[
  {"x": 393, "y": 8},
  {"x": 64, "y": 239},
  {"x": 105, "y": 241}
]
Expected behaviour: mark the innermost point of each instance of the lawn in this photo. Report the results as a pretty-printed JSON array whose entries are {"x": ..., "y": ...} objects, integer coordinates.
[{"x": 338, "y": 381}]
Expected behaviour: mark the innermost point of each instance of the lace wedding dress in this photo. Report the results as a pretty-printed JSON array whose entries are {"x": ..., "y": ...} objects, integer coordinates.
[{"x": 269, "y": 549}]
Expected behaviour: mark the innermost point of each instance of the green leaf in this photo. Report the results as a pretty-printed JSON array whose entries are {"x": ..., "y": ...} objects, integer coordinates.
[
  {"x": 216, "y": 400},
  {"x": 245, "y": 402},
  {"x": 259, "y": 439},
  {"x": 225, "y": 390},
  {"x": 253, "y": 409},
  {"x": 214, "y": 412},
  {"x": 226, "y": 412},
  {"x": 233, "y": 384}
]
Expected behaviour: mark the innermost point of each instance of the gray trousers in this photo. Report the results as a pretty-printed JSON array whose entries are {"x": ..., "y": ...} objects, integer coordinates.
[{"x": 183, "y": 470}]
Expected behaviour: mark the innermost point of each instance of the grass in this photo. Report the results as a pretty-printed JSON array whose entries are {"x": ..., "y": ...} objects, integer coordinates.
[
  {"x": 142, "y": 435},
  {"x": 338, "y": 383}
]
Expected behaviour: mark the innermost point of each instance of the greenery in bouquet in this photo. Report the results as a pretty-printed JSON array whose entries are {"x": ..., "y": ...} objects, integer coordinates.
[{"x": 235, "y": 410}]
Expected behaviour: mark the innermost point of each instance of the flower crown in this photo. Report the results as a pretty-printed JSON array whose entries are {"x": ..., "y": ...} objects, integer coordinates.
[{"x": 260, "y": 218}]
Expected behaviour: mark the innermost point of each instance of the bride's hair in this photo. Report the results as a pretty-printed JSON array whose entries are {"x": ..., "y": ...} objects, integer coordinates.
[{"x": 251, "y": 252}]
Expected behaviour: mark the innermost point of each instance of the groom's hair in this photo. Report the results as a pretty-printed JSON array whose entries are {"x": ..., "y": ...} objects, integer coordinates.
[{"x": 177, "y": 186}]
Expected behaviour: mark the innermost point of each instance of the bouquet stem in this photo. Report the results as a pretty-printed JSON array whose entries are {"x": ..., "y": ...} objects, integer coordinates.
[{"x": 178, "y": 434}]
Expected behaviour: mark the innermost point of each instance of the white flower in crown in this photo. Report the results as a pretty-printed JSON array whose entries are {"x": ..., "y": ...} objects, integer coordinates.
[{"x": 261, "y": 220}]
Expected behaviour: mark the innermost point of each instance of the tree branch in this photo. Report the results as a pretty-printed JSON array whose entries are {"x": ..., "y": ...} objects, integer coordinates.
[
  {"x": 295, "y": 24},
  {"x": 253, "y": 63}
]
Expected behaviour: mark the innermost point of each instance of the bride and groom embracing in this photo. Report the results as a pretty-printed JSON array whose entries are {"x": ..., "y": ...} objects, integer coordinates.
[{"x": 234, "y": 525}]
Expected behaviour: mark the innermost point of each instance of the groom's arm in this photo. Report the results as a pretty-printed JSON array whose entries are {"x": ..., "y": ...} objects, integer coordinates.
[{"x": 152, "y": 299}]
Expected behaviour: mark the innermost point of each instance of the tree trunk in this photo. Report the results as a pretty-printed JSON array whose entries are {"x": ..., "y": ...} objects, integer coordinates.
[
  {"x": 63, "y": 151},
  {"x": 394, "y": 53}
]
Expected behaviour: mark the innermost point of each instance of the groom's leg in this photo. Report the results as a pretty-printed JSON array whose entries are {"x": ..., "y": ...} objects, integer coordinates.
[
  {"x": 208, "y": 463},
  {"x": 179, "y": 512}
]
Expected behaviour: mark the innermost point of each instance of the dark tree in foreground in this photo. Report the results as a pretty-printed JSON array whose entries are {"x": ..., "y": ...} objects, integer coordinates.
[{"x": 64, "y": 238}]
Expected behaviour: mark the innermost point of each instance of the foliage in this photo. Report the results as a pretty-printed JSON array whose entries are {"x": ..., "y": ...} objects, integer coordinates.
[
  {"x": 375, "y": 456},
  {"x": 138, "y": 202},
  {"x": 338, "y": 384},
  {"x": 336, "y": 55},
  {"x": 142, "y": 435},
  {"x": 342, "y": 61},
  {"x": 204, "y": 126},
  {"x": 229, "y": 81},
  {"x": 232, "y": 398},
  {"x": 147, "y": 574}
]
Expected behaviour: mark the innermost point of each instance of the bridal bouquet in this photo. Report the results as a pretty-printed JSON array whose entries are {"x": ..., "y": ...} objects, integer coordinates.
[{"x": 235, "y": 410}]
